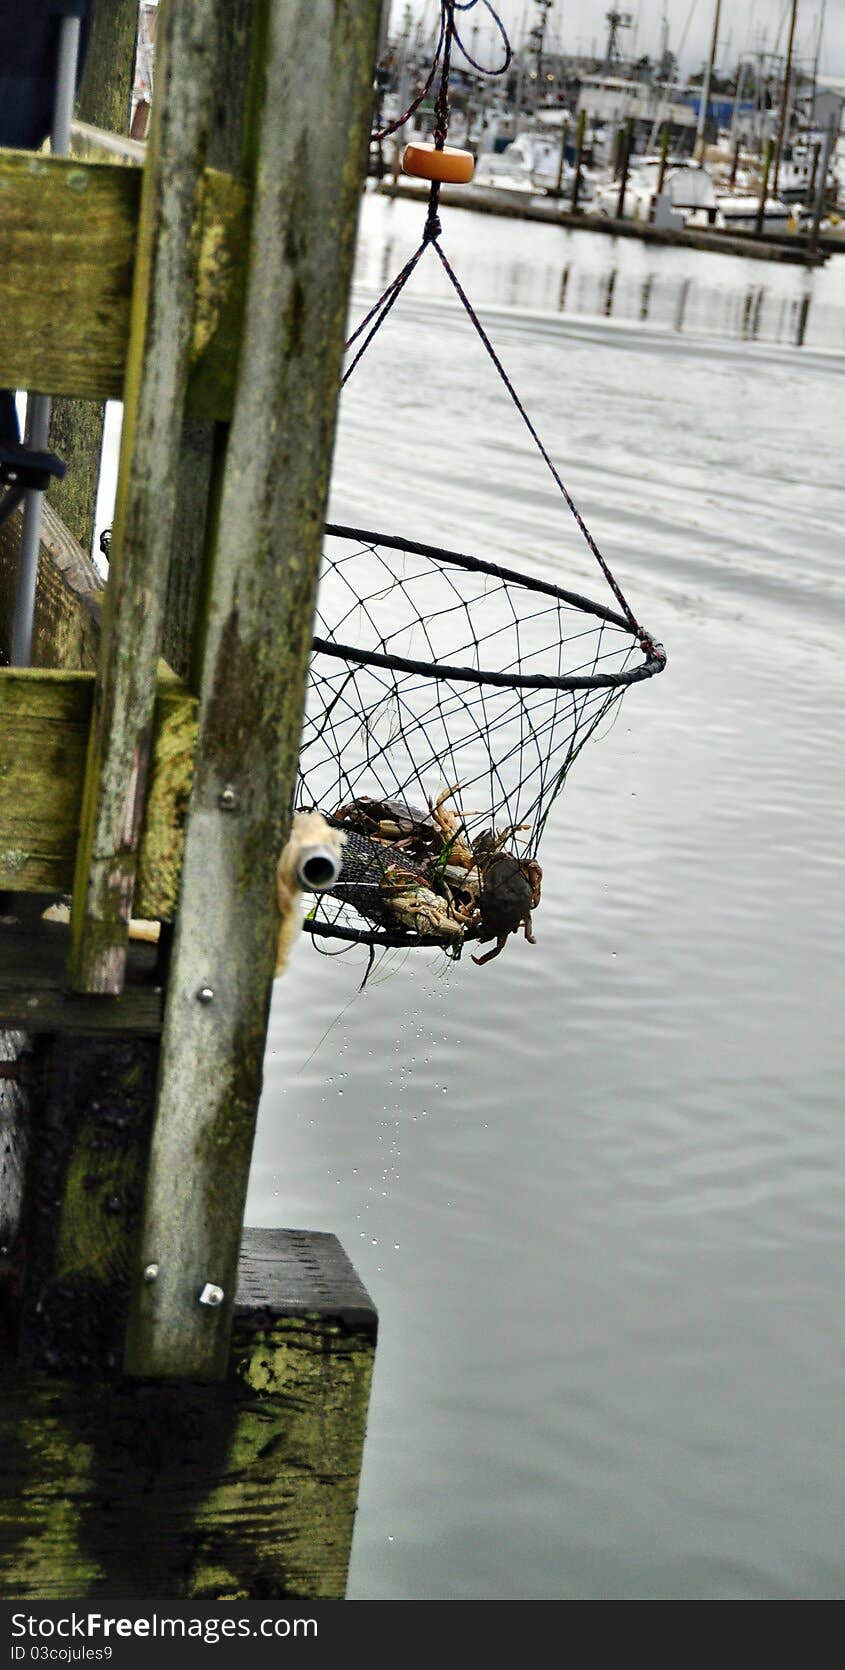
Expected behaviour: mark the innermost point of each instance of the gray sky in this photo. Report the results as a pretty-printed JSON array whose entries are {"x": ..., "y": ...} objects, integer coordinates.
[{"x": 746, "y": 25}]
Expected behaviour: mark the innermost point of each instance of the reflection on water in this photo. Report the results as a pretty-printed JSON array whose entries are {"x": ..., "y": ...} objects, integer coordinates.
[
  {"x": 594, "y": 275},
  {"x": 597, "y": 1187}
]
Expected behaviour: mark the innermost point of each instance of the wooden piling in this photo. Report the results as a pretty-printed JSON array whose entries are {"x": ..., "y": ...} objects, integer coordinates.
[
  {"x": 624, "y": 164},
  {"x": 810, "y": 197},
  {"x": 764, "y": 188},
  {"x": 207, "y": 1472},
  {"x": 255, "y": 641},
  {"x": 734, "y": 165},
  {"x": 561, "y": 163},
  {"x": 579, "y": 154},
  {"x": 661, "y": 172}
]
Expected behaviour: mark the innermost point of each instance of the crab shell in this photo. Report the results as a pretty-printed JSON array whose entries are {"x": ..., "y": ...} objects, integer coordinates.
[{"x": 388, "y": 820}]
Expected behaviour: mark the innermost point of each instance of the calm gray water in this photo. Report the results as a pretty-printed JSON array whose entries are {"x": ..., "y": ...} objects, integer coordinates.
[{"x": 597, "y": 1189}]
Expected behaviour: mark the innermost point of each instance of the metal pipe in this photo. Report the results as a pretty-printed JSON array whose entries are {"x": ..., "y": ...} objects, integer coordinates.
[
  {"x": 39, "y": 405},
  {"x": 317, "y": 868}
]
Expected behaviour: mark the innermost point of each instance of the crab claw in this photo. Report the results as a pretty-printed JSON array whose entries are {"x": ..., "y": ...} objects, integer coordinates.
[{"x": 500, "y": 944}]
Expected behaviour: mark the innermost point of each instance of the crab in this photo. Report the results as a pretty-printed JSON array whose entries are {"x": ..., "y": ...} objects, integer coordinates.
[
  {"x": 440, "y": 883},
  {"x": 417, "y": 907},
  {"x": 389, "y": 821},
  {"x": 510, "y": 890}
]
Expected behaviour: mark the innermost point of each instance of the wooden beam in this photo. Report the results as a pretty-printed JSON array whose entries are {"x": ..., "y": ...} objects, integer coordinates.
[
  {"x": 200, "y": 437},
  {"x": 33, "y": 985},
  {"x": 68, "y": 234},
  {"x": 257, "y": 627},
  {"x": 245, "y": 1489},
  {"x": 153, "y": 410},
  {"x": 67, "y": 248},
  {"x": 68, "y": 598},
  {"x": 45, "y": 722}
]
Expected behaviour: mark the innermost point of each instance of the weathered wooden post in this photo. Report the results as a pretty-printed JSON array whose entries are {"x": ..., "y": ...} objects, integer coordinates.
[
  {"x": 579, "y": 153},
  {"x": 661, "y": 172},
  {"x": 209, "y": 1469},
  {"x": 626, "y": 142},
  {"x": 810, "y": 196},
  {"x": 561, "y": 161},
  {"x": 734, "y": 164},
  {"x": 764, "y": 188}
]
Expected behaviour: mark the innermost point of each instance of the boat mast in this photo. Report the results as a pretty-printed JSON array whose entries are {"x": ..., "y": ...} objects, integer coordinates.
[
  {"x": 812, "y": 121},
  {"x": 784, "y": 103},
  {"x": 698, "y": 154}
]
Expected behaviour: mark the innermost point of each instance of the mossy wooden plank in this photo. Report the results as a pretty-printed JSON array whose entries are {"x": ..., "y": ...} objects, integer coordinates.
[
  {"x": 67, "y": 248},
  {"x": 44, "y": 725},
  {"x": 68, "y": 597},
  {"x": 153, "y": 410},
  {"x": 68, "y": 235},
  {"x": 310, "y": 142},
  {"x": 243, "y": 1490},
  {"x": 45, "y": 722}
]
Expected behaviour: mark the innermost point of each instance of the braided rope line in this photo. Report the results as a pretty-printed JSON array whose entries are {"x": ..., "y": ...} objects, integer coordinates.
[{"x": 385, "y": 723}]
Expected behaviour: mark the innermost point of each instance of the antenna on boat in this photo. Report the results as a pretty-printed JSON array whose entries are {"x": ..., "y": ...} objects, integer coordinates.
[{"x": 615, "y": 22}]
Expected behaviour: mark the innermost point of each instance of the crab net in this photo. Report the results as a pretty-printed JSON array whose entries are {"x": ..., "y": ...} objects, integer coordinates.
[{"x": 448, "y": 698}]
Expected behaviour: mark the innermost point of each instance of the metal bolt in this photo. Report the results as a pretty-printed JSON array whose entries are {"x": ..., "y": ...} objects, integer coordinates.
[
  {"x": 205, "y": 995},
  {"x": 229, "y": 800},
  {"x": 150, "y": 1273},
  {"x": 211, "y": 1295}
]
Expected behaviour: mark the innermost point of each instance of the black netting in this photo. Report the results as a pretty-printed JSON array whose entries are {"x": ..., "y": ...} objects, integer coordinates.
[{"x": 437, "y": 675}]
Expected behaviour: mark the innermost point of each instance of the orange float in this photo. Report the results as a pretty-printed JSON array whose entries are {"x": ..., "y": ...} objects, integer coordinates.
[{"x": 448, "y": 165}]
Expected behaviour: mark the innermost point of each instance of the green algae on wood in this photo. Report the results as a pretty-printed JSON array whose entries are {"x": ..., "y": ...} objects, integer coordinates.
[
  {"x": 154, "y": 398},
  {"x": 68, "y": 237},
  {"x": 68, "y": 597},
  {"x": 245, "y": 1488},
  {"x": 255, "y": 639},
  {"x": 45, "y": 721}
]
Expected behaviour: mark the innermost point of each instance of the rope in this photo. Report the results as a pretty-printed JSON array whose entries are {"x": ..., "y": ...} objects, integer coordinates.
[{"x": 448, "y": 37}]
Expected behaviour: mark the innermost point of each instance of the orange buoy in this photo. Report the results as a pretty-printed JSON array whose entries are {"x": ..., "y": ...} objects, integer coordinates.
[{"x": 451, "y": 166}]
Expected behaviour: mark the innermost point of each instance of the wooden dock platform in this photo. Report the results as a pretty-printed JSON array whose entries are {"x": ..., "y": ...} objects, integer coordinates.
[{"x": 511, "y": 205}]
